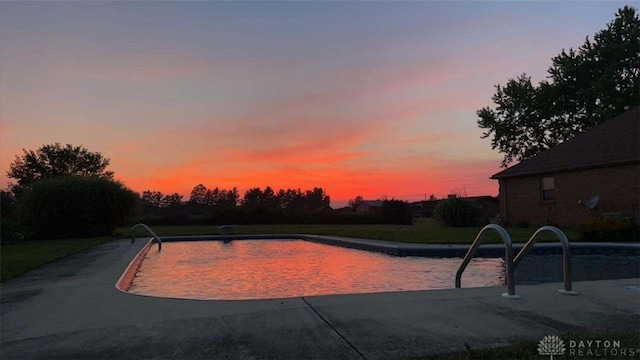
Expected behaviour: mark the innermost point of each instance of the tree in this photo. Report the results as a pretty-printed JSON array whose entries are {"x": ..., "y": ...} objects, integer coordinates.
[
  {"x": 585, "y": 87},
  {"x": 357, "y": 201},
  {"x": 256, "y": 198},
  {"x": 397, "y": 212},
  {"x": 54, "y": 160},
  {"x": 214, "y": 197},
  {"x": 198, "y": 195},
  {"x": 316, "y": 199},
  {"x": 75, "y": 206},
  {"x": 291, "y": 199},
  {"x": 171, "y": 201},
  {"x": 152, "y": 199},
  {"x": 223, "y": 198}
]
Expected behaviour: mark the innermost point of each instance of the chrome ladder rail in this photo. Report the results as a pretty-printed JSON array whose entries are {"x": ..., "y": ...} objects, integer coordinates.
[
  {"x": 156, "y": 238},
  {"x": 508, "y": 258},
  {"x": 566, "y": 255}
]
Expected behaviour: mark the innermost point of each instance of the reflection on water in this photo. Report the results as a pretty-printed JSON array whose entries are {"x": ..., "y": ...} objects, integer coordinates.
[{"x": 261, "y": 269}]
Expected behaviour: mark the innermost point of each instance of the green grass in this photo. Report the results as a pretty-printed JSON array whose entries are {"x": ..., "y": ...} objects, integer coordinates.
[
  {"x": 528, "y": 350},
  {"x": 425, "y": 231},
  {"x": 17, "y": 259}
]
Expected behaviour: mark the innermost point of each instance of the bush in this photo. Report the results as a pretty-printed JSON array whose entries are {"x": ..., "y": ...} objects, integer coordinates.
[
  {"x": 456, "y": 212},
  {"x": 11, "y": 232},
  {"x": 606, "y": 229},
  {"x": 73, "y": 206},
  {"x": 397, "y": 212},
  {"x": 7, "y": 205}
]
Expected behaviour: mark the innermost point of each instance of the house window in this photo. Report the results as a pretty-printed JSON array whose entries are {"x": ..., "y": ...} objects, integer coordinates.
[{"x": 548, "y": 188}]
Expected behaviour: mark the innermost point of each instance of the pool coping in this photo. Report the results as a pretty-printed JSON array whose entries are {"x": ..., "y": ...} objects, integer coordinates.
[{"x": 434, "y": 250}]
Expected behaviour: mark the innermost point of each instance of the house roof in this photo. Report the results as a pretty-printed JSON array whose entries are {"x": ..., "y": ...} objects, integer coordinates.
[{"x": 613, "y": 142}]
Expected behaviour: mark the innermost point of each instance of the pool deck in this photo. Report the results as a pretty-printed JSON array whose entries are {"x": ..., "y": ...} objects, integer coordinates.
[{"x": 70, "y": 309}]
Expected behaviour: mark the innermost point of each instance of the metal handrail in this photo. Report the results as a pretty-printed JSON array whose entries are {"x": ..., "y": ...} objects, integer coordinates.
[
  {"x": 508, "y": 258},
  {"x": 155, "y": 237},
  {"x": 566, "y": 255}
]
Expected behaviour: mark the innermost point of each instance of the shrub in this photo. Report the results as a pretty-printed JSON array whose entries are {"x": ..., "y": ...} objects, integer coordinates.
[
  {"x": 456, "y": 212},
  {"x": 397, "y": 212},
  {"x": 11, "y": 231},
  {"x": 73, "y": 206},
  {"x": 7, "y": 204},
  {"x": 606, "y": 229}
]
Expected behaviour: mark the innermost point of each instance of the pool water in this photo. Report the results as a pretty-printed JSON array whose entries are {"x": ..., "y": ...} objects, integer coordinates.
[
  {"x": 261, "y": 269},
  {"x": 264, "y": 269}
]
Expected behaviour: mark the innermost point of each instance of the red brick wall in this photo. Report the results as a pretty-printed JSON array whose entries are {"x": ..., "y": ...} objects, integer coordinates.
[{"x": 617, "y": 187}]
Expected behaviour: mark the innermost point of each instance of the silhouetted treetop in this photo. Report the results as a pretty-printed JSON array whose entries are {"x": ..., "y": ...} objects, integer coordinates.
[
  {"x": 585, "y": 87},
  {"x": 56, "y": 160}
]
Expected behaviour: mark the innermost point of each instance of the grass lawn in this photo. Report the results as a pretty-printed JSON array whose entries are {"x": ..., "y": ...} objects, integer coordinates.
[
  {"x": 17, "y": 259},
  {"x": 424, "y": 231},
  {"x": 528, "y": 350}
]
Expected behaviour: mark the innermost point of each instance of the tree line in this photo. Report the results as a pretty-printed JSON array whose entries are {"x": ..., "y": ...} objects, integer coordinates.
[
  {"x": 262, "y": 206},
  {"x": 254, "y": 198},
  {"x": 67, "y": 191}
]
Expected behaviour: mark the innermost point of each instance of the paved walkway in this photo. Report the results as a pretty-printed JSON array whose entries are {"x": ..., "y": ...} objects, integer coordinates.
[{"x": 70, "y": 309}]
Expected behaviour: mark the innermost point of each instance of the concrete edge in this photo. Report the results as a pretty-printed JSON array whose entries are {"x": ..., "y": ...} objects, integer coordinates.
[
  {"x": 126, "y": 279},
  {"x": 435, "y": 250}
]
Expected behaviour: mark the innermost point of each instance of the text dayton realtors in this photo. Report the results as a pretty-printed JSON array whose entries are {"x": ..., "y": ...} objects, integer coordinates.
[{"x": 598, "y": 348}]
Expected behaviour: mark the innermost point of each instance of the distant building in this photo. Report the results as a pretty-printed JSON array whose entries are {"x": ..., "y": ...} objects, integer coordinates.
[
  {"x": 603, "y": 161},
  {"x": 369, "y": 206},
  {"x": 425, "y": 208},
  {"x": 487, "y": 204}
]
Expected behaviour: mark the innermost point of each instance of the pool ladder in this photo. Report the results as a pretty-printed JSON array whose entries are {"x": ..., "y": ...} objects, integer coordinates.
[
  {"x": 156, "y": 238},
  {"x": 512, "y": 262}
]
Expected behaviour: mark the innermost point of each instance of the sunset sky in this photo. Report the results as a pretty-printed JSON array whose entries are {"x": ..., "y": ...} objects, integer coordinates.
[{"x": 360, "y": 98}]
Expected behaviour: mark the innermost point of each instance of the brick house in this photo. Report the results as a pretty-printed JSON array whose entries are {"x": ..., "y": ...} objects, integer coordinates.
[{"x": 603, "y": 161}]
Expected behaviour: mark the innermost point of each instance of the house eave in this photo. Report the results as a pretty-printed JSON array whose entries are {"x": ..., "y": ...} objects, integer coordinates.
[{"x": 567, "y": 168}]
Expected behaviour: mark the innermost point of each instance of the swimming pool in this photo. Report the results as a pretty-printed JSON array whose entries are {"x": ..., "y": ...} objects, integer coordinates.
[{"x": 284, "y": 268}]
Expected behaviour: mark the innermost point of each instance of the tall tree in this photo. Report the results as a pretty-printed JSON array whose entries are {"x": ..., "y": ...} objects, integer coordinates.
[
  {"x": 585, "y": 87},
  {"x": 355, "y": 202},
  {"x": 198, "y": 195},
  {"x": 257, "y": 198},
  {"x": 222, "y": 197},
  {"x": 214, "y": 197},
  {"x": 152, "y": 199},
  {"x": 317, "y": 199},
  {"x": 291, "y": 199},
  {"x": 56, "y": 160},
  {"x": 171, "y": 200}
]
